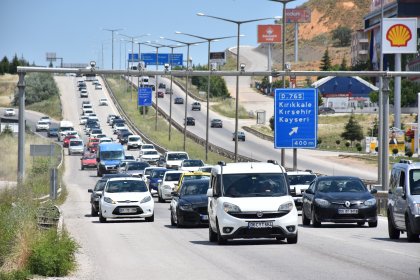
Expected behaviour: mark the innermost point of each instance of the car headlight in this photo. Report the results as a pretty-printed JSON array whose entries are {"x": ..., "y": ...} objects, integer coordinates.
[
  {"x": 185, "y": 207},
  {"x": 146, "y": 199},
  {"x": 288, "y": 206},
  {"x": 417, "y": 208},
  {"x": 322, "y": 202},
  {"x": 229, "y": 207},
  {"x": 109, "y": 200},
  {"x": 370, "y": 202}
]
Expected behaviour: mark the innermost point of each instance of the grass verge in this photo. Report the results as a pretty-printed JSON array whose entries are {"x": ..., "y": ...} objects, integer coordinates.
[
  {"x": 51, "y": 107},
  {"x": 227, "y": 108},
  {"x": 146, "y": 124}
]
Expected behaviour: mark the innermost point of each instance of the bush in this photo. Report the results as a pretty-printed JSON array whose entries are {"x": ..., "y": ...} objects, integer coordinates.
[
  {"x": 52, "y": 254},
  {"x": 319, "y": 141},
  {"x": 409, "y": 153},
  {"x": 359, "y": 148},
  {"x": 337, "y": 142},
  {"x": 358, "y": 145},
  {"x": 394, "y": 151},
  {"x": 347, "y": 144},
  {"x": 146, "y": 109}
]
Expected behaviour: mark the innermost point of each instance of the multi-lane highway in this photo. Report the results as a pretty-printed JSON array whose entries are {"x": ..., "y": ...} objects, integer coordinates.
[{"x": 140, "y": 250}]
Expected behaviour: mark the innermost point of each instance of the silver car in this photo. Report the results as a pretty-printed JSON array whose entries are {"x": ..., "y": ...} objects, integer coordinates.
[{"x": 76, "y": 146}]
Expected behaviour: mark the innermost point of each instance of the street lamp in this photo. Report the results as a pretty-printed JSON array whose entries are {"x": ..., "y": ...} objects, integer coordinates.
[
  {"x": 112, "y": 36},
  {"x": 157, "y": 47},
  {"x": 188, "y": 44},
  {"x": 238, "y": 23},
  {"x": 209, "y": 40},
  {"x": 284, "y": 2},
  {"x": 172, "y": 47}
]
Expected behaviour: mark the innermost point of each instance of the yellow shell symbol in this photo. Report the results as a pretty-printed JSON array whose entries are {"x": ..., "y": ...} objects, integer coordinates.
[{"x": 398, "y": 35}]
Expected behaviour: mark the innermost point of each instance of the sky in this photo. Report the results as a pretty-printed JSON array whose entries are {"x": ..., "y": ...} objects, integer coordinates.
[{"x": 74, "y": 29}]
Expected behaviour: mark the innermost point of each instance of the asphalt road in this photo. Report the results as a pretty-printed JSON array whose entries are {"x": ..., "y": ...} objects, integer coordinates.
[{"x": 135, "y": 249}]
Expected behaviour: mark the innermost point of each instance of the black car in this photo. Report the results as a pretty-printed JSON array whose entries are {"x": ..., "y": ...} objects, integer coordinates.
[
  {"x": 339, "y": 199},
  {"x": 52, "y": 132},
  {"x": 179, "y": 100},
  {"x": 216, "y": 123},
  {"x": 117, "y": 120},
  {"x": 123, "y": 137},
  {"x": 325, "y": 111},
  {"x": 96, "y": 192},
  {"x": 162, "y": 85},
  {"x": 189, "y": 205},
  {"x": 190, "y": 121}
]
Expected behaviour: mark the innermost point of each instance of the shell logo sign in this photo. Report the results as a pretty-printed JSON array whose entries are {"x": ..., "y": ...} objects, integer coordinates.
[{"x": 399, "y": 35}]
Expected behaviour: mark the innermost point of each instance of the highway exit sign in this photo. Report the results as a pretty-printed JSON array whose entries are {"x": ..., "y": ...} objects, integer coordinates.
[{"x": 295, "y": 118}]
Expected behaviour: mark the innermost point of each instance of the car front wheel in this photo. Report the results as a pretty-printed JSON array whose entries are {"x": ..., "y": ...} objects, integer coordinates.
[
  {"x": 151, "y": 218},
  {"x": 373, "y": 224},
  {"x": 212, "y": 235},
  {"x": 102, "y": 219},
  {"x": 292, "y": 240},
  {"x": 392, "y": 231},
  {"x": 411, "y": 236},
  {"x": 220, "y": 239},
  {"x": 315, "y": 221},
  {"x": 305, "y": 220}
]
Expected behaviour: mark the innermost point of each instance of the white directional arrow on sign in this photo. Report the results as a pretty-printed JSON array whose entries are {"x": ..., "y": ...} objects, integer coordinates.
[{"x": 294, "y": 130}]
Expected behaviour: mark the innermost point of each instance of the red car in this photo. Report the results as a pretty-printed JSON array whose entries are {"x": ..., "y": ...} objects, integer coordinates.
[
  {"x": 92, "y": 144},
  {"x": 93, "y": 147},
  {"x": 66, "y": 140},
  {"x": 161, "y": 94},
  {"x": 88, "y": 160}
]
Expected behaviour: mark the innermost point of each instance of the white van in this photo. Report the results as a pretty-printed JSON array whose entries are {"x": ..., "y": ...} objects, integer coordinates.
[
  {"x": 251, "y": 200},
  {"x": 173, "y": 159},
  {"x": 144, "y": 80},
  {"x": 63, "y": 129}
]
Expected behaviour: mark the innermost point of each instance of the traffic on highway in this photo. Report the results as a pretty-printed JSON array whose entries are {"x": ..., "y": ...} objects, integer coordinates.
[{"x": 127, "y": 194}]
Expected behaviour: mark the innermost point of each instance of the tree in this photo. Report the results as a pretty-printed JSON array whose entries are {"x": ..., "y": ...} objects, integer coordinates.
[
  {"x": 326, "y": 61},
  {"x": 272, "y": 123},
  {"x": 343, "y": 36},
  {"x": 343, "y": 65},
  {"x": 39, "y": 87},
  {"x": 353, "y": 130},
  {"x": 4, "y": 65},
  {"x": 320, "y": 101},
  {"x": 409, "y": 90},
  {"x": 373, "y": 131},
  {"x": 13, "y": 66}
]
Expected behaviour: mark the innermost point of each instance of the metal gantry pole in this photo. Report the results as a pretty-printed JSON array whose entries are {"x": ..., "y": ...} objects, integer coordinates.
[
  {"x": 156, "y": 87},
  {"x": 170, "y": 97},
  {"x": 186, "y": 97},
  {"x": 237, "y": 94},
  {"x": 384, "y": 144},
  {"x": 21, "y": 133},
  {"x": 283, "y": 151},
  {"x": 208, "y": 106}
]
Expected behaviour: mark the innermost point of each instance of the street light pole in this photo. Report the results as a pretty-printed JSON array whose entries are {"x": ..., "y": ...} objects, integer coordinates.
[
  {"x": 284, "y": 2},
  {"x": 188, "y": 44},
  {"x": 112, "y": 36},
  {"x": 238, "y": 23},
  {"x": 209, "y": 40}
]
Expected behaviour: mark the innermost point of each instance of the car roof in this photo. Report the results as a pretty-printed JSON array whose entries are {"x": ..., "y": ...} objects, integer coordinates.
[
  {"x": 248, "y": 167},
  {"x": 126, "y": 178}
]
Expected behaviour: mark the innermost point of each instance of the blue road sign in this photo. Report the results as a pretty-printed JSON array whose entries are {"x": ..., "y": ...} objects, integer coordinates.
[
  {"x": 133, "y": 57},
  {"x": 163, "y": 58},
  {"x": 145, "y": 96},
  {"x": 295, "y": 118}
]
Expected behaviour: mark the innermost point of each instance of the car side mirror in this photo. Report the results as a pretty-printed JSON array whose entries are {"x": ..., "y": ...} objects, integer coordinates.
[
  {"x": 210, "y": 193},
  {"x": 98, "y": 160},
  {"x": 373, "y": 191},
  {"x": 404, "y": 196},
  {"x": 309, "y": 191},
  {"x": 175, "y": 194},
  {"x": 90, "y": 191}
]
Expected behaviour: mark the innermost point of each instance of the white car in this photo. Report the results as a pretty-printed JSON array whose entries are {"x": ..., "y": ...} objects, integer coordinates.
[
  {"x": 9, "y": 112},
  {"x": 167, "y": 186},
  {"x": 146, "y": 147},
  {"x": 191, "y": 165},
  {"x": 118, "y": 126},
  {"x": 126, "y": 197},
  {"x": 134, "y": 141},
  {"x": 76, "y": 146},
  {"x": 98, "y": 86},
  {"x": 150, "y": 156},
  {"x": 105, "y": 140},
  {"x": 83, "y": 119},
  {"x": 173, "y": 159},
  {"x": 251, "y": 200},
  {"x": 45, "y": 119},
  {"x": 42, "y": 125},
  {"x": 103, "y": 102},
  {"x": 299, "y": 181},
  {"x": 84, "y": 93}
]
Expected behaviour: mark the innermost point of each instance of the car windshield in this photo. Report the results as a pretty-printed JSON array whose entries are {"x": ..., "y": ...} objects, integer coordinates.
[
  {"x": 194, "y": 187},
  {"x": 150, "y": 153},
  {"x": 89, "y": 156},
  {"x": 177, "y": 156},
  {"x": 340, "y": 185},
  {"x": 145, "y": 147},
  {"x": 121, "y": 186},
  {"x": 172, "y": 177},
  {"x": 158, "y": 173},
  {"x": 100, "y": 185},
  {"x": 253, "y": 185},
  {"x": 134, "y": 138},
  {"x": 415, "y": 182},
  {"x": 137, "y": 165},
  {"x": 301, "y": 179},
  {"x": 76, "y": 143},
  {"x": 192, "y": 163},
  {"x": 108, "y": 155}
]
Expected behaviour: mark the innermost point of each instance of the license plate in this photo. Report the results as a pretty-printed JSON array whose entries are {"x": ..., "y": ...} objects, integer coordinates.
[
  {"x": 128, "y": 210},
  {"x": 260, "y": 224},
  {"x": 204, "y": 217},
  {"x": 348, "y": 211}
]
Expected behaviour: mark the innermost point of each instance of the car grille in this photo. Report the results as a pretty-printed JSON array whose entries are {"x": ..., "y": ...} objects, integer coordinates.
[
  {"x": 201, "y": 210},
  {"x": 117, "y": 210},
  {"x": 258, "y": 215}
]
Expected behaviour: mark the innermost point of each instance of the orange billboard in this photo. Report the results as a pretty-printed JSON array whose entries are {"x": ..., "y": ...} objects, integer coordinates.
[{"x": 269, "y": 33}]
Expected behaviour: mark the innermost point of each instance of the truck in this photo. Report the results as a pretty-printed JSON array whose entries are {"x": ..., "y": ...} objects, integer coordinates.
[
  {"x": 109, "y": 157},
  {"x": 64, "y": 128}
]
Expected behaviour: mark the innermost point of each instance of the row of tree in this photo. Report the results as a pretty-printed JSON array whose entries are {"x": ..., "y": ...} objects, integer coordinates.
[
  {"x": 39, "y": 87},
  {"x": 7, "y": 66}
]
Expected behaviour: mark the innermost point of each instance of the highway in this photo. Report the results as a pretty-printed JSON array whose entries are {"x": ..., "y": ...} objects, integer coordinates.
[{"x": 135, "y": 249}]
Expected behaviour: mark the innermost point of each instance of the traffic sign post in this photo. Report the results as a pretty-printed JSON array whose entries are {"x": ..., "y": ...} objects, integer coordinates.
[
  {"x": 145, "y": 96},
  {"x": 295, "y": 118}
]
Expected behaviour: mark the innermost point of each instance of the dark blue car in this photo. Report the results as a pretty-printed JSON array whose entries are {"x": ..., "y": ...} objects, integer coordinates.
[{"x": 156, "y": 178}]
